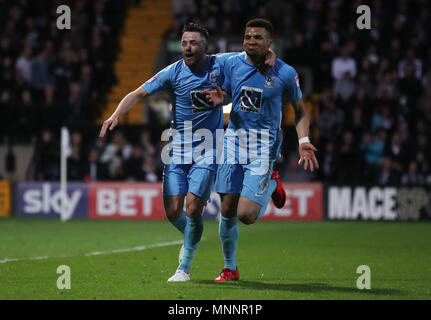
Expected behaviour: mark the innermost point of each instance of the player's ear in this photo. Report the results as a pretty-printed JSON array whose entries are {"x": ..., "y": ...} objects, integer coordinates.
[
  {"x": 269, "y": 42},
  {"x": 268, "y": 39}
]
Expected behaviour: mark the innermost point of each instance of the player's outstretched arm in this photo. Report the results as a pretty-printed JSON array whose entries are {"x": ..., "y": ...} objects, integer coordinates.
[
  {"x": 125, "y": 105},
  {"x": 306, "y": 149}
]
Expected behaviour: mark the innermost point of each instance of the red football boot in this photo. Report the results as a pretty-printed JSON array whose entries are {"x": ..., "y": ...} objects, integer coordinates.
[
  {"x": 279, "y": 195},
  {"x": 228, "y": 275}
]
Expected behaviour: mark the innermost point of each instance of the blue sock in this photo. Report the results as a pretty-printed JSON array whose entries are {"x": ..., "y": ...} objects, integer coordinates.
[
  {"x": 271, "y": 188},
  {"x": 192, "y": 237},
  {"x": 229, "y": 234},
  {"x": 181, "y": 222}
]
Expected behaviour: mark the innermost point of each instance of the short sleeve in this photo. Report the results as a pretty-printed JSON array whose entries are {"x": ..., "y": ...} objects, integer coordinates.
[
  {"x": 226, "y": 78},
  {"x": 291, "y": 81},
  {"x": 160, "y": 81}
]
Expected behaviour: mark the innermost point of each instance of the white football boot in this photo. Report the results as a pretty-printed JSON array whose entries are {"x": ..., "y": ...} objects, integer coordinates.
[{"x": 179, "y": 276}]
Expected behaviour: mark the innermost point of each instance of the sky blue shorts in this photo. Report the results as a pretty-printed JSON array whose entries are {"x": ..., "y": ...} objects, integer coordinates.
[
  {"x": 179, "y": 179},
  {"x": 246, "y": 180}
]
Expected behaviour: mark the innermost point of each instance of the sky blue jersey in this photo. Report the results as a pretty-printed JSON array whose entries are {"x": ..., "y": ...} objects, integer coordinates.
[
  {"x": 191, "y": 110},
  {"x": 257, "y": 99},
  {"x": 185, "y": 87}
]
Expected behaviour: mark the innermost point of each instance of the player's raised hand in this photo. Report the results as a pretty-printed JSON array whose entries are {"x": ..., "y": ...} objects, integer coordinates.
[
  {"x": 269, "y": 62},
  {"x": 214, "y": 96},
  {"x": 270, "y": 58},
  {"x": 306, "y": 154},
  {"x": 110, "y": 123}
]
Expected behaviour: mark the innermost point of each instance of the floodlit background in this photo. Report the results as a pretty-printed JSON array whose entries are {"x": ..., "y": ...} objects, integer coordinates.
[
  {"x": 368, "y": 92},
  {"x": 368, "y": 95}
]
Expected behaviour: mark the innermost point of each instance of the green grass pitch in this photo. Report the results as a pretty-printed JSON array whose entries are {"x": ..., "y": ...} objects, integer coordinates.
[{"x": 277, "y": 260}]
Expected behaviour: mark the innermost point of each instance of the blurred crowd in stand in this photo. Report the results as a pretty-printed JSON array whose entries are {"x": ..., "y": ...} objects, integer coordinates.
[
  {"x": 116, "y": 159},
  {"x": 374, "y": 86},
  {"x": 374, "y": 123},
  {"x": 49, "y": 75}
]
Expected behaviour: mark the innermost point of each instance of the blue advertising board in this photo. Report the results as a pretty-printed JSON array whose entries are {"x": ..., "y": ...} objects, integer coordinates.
[{"x": 44, "y": 200}]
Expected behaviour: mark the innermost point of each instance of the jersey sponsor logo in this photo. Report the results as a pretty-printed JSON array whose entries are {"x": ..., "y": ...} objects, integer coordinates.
[
  {"x": 251, "y": 99},
  {"x": 269, "y": 82},
  {"x": 297, "y": 80},
  {"x": 199, "y": 101}
]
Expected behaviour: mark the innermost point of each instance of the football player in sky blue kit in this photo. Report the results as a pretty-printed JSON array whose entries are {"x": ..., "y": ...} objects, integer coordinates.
[
  {"x": 246, "y": 187},
  {"x": 184, "y": 176}
]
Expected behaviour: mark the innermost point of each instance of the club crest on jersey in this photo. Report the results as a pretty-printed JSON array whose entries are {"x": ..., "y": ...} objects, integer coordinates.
[
  {"x": 269, "y": 82},
  {"x": 213, "y": 77}
]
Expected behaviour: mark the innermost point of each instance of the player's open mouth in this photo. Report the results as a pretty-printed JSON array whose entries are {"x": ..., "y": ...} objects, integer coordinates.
[{"x": 189, "y": 55}]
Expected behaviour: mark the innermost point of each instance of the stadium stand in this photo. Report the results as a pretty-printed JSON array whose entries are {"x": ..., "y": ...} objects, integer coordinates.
[
  {"x": 139, "y": 47},
  {"x": 368, "y": 91}
]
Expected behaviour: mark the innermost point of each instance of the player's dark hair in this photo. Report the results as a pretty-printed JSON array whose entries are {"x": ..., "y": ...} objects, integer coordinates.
[
  {"x": 260, "y": 23},
  {"x": 194, "y": 27}
]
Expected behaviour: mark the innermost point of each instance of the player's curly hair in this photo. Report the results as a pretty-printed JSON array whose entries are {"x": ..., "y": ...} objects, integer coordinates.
[
  {"x": 195, "y": 27},
  {"x": 260, "y": 23}
]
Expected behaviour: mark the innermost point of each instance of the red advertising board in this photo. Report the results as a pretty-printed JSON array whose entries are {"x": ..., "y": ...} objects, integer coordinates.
[
  {"x": 145, "y": 201},
  {"x": 304, "y": 202},
  {"x": 126, "y": 201}
]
